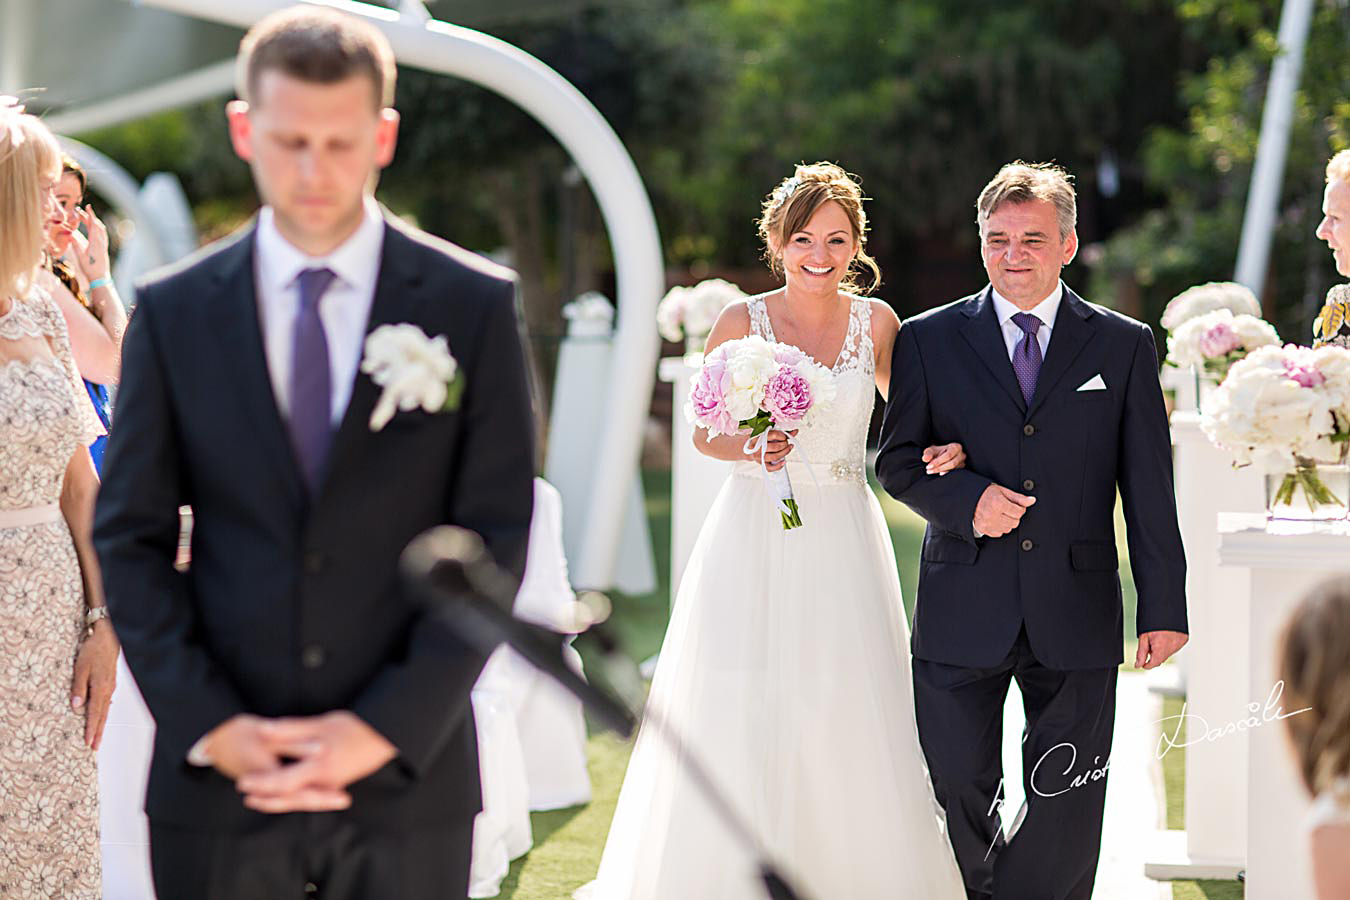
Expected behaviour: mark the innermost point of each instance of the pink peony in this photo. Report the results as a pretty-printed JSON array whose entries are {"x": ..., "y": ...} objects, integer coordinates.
[
  {"x": 707, "y": 397},
  {"x": 787, "y": 398},
  {"x": 1305, "y": 373},
  {"x": 1219, "y": 340},
  {"x": 788, "y": 355}
]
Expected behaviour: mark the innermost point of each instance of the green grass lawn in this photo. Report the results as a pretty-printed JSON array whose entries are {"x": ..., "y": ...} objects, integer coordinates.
[{"x": 568, "y": 843}]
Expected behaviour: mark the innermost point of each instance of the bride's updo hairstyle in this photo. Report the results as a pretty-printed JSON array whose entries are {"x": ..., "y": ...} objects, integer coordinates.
[
  {"x": 29, "y": 156},
  {"x": 792, "y": 204}
]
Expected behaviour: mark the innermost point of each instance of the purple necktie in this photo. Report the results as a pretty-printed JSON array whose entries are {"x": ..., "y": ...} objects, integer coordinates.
[
  {"x": 1026, "y": 358},
  {"x": 311, "y": 391}
]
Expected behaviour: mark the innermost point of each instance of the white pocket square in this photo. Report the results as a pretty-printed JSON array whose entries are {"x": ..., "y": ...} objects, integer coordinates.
[{"x": 1094, "y": 383}]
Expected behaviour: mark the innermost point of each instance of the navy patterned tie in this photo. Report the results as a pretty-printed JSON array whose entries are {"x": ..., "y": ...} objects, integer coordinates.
[
  {"x": 311, "y": 388},
  {"x": 1026, "y": 358}
]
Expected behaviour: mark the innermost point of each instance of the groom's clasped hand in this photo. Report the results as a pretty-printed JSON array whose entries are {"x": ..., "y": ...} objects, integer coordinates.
[{"x": 297, "y": 764}]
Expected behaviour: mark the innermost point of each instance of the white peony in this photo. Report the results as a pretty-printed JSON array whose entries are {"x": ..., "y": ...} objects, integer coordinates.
[
  {"x": 1215, "y": 339},
  {"x": 692, "y": 311},
  {"x": 1281, "y": 404},
  {"x": 1203, "y": 298}
]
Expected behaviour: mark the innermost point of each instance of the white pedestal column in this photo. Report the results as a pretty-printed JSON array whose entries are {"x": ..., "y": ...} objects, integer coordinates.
[
  {"x": 1281, "y": 565},
  {"x": 695, "y": 479},
  {"x": 1213, "y": 844}
]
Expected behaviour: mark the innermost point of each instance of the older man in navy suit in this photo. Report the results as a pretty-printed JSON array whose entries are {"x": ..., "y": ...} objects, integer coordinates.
[{"x": 1058, "y": 405}]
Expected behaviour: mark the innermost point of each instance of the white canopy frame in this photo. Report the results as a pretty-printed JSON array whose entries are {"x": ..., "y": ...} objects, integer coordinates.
[{"x": 436, "y": 46}]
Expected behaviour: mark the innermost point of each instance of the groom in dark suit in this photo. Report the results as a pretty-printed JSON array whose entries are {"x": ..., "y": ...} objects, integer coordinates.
[
  {"x": 314, "y": 732},
  {"x": 1058, "y": 405}
]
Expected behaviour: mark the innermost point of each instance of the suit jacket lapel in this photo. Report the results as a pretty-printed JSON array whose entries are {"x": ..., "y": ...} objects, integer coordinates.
[
  {"x": 1070, "y": 335},
  {"x": 234, "y": 312},
  {"x": 985, "y": 337},
  {"x": 396, "y": 300}
]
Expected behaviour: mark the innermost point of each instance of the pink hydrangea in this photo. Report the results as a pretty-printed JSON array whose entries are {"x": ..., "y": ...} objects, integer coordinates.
[
  {"x": 1219, "y": 340},
  {"x": 707, "y": 397},
  {"x": 787, "y": 398}
]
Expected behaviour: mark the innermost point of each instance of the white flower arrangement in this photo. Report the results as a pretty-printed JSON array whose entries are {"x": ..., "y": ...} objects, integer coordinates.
[
  {"x": 1203, "y": 298},
  {"x": 413, "y": 369},
  {"x": 1211, "y": 342},
  {"x": 1282, "y": 408},
  {"x": 690, "y": 312}
]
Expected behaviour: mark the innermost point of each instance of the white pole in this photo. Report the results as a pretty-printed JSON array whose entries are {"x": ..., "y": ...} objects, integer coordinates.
[
  {"x": 602, "y": 158},
  {"x": 1263, "y": 197}
]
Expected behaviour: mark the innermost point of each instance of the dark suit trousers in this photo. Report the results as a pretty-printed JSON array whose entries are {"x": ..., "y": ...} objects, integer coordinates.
[
  {"x": 1066, "y": 750},
  {"x": 318, "y": 856}
]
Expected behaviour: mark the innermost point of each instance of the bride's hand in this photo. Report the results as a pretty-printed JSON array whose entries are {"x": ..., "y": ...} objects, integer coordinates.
[
  {"x": 777, "y": 449},
  {"x": 944, "y": 458}
]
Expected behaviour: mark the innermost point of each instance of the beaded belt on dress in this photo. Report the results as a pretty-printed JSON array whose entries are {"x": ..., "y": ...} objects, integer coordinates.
[
  {"x": 839, "y": 471},
  {"x": 33, "y": 515}
]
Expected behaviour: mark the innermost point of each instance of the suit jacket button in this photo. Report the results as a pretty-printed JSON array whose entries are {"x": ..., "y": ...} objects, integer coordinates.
[
  {"x": 1028, "y": 430},
  {"x": 1028, "y": 485},
  {"x": 314, "y": 562},
  {"x": 1027, "y": 545},
  {"x": 312, "y": 657}
]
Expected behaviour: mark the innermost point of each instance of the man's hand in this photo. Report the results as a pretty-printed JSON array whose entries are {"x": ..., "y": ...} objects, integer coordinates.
[
  {"x": 329, "y": 751},
  {"x": 1000, "y": 510},
  {"x": 239, "y": 746},
  {"x": 1156, "y": 646}
]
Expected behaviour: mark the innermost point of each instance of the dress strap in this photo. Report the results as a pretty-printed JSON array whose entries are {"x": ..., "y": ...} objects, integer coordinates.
[
  {"x": 862, "y": 310},
  {"x": 759, "y": 317}
]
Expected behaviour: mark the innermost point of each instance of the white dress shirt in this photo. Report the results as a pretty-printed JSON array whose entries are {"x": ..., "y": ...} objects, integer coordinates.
[
  {"x": 344, "y": 309},
  {"x": 1045, "y": 311}
]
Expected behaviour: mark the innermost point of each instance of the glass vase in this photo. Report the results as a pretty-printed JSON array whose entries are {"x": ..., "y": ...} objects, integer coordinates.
[{"x": 1309, "y": 492}]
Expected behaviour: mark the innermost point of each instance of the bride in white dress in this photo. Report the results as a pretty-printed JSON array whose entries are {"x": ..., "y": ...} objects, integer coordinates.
[{"x": 786, "y": 663}]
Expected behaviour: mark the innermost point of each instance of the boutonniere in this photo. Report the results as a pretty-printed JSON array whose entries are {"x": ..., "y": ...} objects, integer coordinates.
[{"x": 413, "y": 369}]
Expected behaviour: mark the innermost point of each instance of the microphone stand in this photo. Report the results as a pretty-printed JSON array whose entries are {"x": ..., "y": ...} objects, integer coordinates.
[{"x": 450, "y": 573}]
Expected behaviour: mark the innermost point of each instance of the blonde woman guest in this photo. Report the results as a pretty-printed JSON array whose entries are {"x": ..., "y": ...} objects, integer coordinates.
[
  {"x": 1315, "y": 667},
  {"x": 58, "y": 648},
  {"x": 786, "y": 663}
]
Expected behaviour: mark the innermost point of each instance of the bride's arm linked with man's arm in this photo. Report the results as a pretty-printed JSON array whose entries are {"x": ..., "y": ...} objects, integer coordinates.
[{"x": 963, "y": 502}]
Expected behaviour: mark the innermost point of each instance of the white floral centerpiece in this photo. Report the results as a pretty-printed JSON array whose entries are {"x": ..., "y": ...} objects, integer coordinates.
[
  {"x": 1286, "y": 410},
  {"x": 1211, "y": 342},
  {"x": 688, "y": 313},
  {"x": 1205, "y": 298}
]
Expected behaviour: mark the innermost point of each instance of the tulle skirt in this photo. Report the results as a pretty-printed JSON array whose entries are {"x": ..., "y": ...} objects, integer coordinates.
[{"x": 786, "y": 668}]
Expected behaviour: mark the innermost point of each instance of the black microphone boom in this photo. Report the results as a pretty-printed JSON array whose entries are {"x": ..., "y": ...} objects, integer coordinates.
[{"x": 449, "y": 571}]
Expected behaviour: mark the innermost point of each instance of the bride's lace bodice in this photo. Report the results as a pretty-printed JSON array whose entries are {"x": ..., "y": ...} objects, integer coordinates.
[
  {"x": 43, "y": 413},
  {"x": 839, "y": 439}
]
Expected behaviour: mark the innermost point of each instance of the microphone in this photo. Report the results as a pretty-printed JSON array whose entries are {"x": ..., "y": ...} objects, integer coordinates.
[{"x": 452, "y": 576}]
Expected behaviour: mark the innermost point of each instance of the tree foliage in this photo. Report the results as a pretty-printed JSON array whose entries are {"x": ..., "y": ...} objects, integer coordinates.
[{"x": 1200, "y": 172}]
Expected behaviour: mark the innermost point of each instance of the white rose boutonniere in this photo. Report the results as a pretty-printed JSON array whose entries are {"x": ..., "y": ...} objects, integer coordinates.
[{"x": 413, "y": 369}]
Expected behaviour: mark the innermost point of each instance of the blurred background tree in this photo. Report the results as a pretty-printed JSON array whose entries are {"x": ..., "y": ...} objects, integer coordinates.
[{"x": 1153, "y": 104}]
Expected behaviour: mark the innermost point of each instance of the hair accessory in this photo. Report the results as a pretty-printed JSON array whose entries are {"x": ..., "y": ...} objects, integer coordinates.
[{"x": 786, "y": 190}]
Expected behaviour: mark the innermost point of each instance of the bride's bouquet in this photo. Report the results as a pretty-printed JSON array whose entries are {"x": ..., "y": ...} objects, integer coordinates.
[
  {"x": 750, "y": 385},
  {"x": 1285, "y": 409}
]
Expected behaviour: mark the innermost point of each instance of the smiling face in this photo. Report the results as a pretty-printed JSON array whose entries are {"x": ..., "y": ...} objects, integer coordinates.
[
  {"x": 816, "y": 259},
  {"x": 68, "y": 197},
  {"x": 315, "y": 150},
  {"x": 1335, "y": 225},
  {"x": 1023, "y": 251}
]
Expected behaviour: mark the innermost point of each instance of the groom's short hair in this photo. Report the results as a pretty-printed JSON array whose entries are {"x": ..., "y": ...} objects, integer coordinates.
[
  {"x": 1021, "y": 182},
  {"x": 319, "y": 45},
  {"x": 1339, "y": 167}
]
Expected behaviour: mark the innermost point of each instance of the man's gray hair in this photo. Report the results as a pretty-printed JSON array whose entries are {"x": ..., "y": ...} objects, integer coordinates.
[{"x": 1021, "y": 182}]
